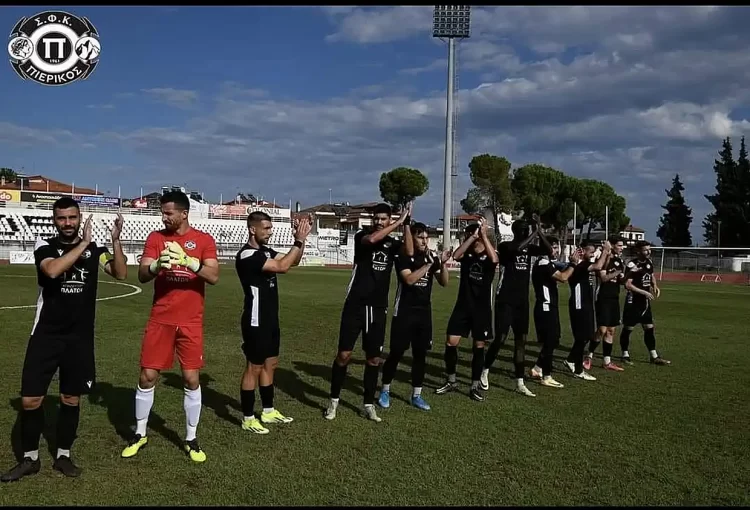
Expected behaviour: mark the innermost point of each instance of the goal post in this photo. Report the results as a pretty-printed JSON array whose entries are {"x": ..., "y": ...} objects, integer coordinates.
[{"x": 702, "y": 264}]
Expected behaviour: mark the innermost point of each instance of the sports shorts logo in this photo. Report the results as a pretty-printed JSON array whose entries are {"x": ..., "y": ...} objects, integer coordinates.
[{"x": 54, "y": 48}]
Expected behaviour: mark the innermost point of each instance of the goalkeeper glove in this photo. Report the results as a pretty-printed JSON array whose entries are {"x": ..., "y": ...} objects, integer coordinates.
[
  {"x": 178, "y": 257},
  {"x": 163, "y": 262}
]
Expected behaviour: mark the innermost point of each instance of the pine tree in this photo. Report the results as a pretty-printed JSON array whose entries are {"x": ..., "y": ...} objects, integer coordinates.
[
  {"x": 723, "y": 200},
  {"x": 674, "y": 227}
]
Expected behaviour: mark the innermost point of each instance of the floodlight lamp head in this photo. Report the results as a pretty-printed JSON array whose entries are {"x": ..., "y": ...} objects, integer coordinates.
[{"x": 451, "y": 21}]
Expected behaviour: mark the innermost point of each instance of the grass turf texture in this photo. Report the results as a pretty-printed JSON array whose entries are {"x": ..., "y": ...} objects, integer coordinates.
[{"x": 652, "y": 435}]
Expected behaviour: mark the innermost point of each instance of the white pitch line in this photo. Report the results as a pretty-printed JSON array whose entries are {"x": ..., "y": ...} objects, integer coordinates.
[{"x": 136, "y": 290}]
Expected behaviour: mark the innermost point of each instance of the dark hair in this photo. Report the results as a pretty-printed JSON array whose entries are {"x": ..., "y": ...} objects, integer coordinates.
[
  {"x": 641, "y": 244},
  {"x": 382, "y": 208},
  {"x": 65, "y": 203},
  {"x": 613, "y": 240},
  {"x": 587, "y": 243},
  {"x": 520, "y": 228},
  {"x": 178, "y": 198},
  {"x": 256, "y": 217},
  {"x": 418, "y": 228},
  {"x": 553, "y": 240},
  {"x": 470, "y": 229}
]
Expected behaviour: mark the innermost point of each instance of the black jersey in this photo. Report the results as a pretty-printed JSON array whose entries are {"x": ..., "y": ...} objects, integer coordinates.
[
  {"x": 581, "y": 293},
  {"x": 545, "y": 286},
  {"x": 417, "y": 295},
  {"x": 371, "y": 274},
  {"x": 67, "y": 304},
  {"x": 513, "y": 285},
  {"x": 260, "y": 287},
  {"x": 611, "y": 289},
  {"x": 475, "y": 289},
  {"x": 641, "y": 272}
]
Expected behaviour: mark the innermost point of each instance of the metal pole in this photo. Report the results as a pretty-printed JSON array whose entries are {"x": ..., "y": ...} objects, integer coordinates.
[
  {"x": 606, "y": 222},
  {"x": 447, "y": 193},
  {"x": 718, "y": 245},
  {"x": 575, "y": 223},
  {"x": 661, "y": 266}
]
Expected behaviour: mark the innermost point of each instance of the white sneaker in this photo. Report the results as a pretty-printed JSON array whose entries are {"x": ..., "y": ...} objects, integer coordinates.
[
  {"x": 585, "y": 376},
  {"x": 523, "y": 390},
  {"x": 549, "y": 381},
  {"x": 330, "y": 413},
  {"x": 484, "y": 382},
  {"x": 571, "y": 366},
  {"x": 535, "y": 372},
  {"x": 370, "y": 414}
]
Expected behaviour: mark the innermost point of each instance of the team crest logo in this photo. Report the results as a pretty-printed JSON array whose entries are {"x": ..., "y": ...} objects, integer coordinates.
[
  {"x": 54, "y": 48},
  {"x": 190, "y": 245},
  {"x": 86, "y": 254}
]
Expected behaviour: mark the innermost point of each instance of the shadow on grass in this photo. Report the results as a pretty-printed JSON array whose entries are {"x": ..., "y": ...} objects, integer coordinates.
[
  {"x": 293, "y": 385},
  {"x": 221, "y": 404}
]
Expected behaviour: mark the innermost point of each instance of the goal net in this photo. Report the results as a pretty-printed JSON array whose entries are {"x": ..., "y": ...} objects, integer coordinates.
[{"x": 706, "y": 265}]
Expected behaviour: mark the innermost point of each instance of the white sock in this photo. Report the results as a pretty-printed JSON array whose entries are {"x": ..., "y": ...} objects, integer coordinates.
[
  {"x": 654, "y": 355},
  {"x": 369, "y": 405},
  {"x": 547, "y": 377},
  {"x": 625, "y": 354},
  {"x": 607, "y": 360},
  {"x": 590, "y": 355},
  {"x": 452, "y": 378},
  {"x": 268, "y": 410},
  {"x": 335, "y": 401},
  {"x": 485, "y": 372},
  {"x": 33, "y": 455},
  {"x": 192, "y": 405},
  {"x": 386, "y": 388},
  {"x": 519, "y": 382},
  {"x": 144, "y": 400},
  {"x": 246, "y": 418},
  {"x": 417, "y": 392},
  {"x": 63, "y": 453}
]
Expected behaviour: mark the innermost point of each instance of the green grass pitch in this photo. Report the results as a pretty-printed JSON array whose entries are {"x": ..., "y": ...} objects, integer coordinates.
[{"x": 674, "y": 435}]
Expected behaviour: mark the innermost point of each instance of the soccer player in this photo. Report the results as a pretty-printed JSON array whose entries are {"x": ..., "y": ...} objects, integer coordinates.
[
  {"x": 581, "y": 306},
  {"x": 257, "y": 266},
  {"x": 62, "y": 336},
  {"x": 608, "y": 307},
  {"x": 641, "y": 290},
  {"x": 512, "y": 300},
  {"x": 412, "y": 313},
  {"x": 180, "y": 260},
  {"x": 366, "y": 306},
  {"x": 545, "y": 276},
  {"x": 472, "y": 312}
]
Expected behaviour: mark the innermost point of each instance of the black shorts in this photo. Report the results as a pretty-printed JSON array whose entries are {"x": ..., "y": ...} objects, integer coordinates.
[
  {"x": 368, "y": 320},
  {"x": 412, "y": 328},
  {"x": 476, "y": 322},
  {"x": 547, "y": 325},
  {"x": 72, "y": 354},
  {"x": 260, "y": 342},
  {"x": 512, "y": 315},
  {"x": 637, "y": 312},
  {"x": 608, "y": 313},
  {"x": 582, "y": 324}
]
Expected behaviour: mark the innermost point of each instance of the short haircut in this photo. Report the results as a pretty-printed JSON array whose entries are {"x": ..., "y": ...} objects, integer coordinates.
[
  {"x": 641, "y": 244},
  {"x": 615, "y": 239},
  {"x": 553, "y": 240},
  {"x": 256, "y": 217},
  {"x": 382, "y": 208},
  {"x": 470, "y": 229},
  {"x": 178, "y": 198},
  {"x": 418, "y": 229},
  {"x": 587, "y": 243},
  {"x": 65, "y": 203}
]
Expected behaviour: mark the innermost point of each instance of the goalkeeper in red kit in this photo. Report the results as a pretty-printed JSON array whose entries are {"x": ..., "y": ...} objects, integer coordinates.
[{"x": 180, "y": 260}]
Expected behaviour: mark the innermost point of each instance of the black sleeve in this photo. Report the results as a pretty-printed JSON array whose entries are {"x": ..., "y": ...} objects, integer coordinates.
[
  {"x": 582, "y": 268},
  {"x": 629, "y": 268},
  {"x": 401, "y": 262},
  {"x": 538, "y": 250},
  {"x": 251, "y": 261},
  {"x": 43, "y": 251},
  {"x": 504, "y": 252},
  {"x": 396, "y": 246},
  {"x": 273, "y": 253}
]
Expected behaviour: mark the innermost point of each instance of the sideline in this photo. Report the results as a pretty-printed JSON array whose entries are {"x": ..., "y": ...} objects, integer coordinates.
[{"x": 136, "y": 290}]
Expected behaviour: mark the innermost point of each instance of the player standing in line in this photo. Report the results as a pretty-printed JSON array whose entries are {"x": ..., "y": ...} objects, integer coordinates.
[
  {"x": 608, "y": 307},
  {"x": 581, "y": 306},
  {"x": 512, "y": 300},
  {"x": 257, "y": 266},
  {"x": 545, "y": 276},
  {"x": 411, "y": 325},
  {"x": 366, "y": 306},
  {"x": 472, "y": 312},
  {"x": 62, "y": 336},
  {"x": 642, "y": 289},
  {"x": 180, "y": 260}
]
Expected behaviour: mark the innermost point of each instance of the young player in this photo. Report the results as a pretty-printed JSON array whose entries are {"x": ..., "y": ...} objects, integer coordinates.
[
  {"x": 472, "y": 313},
  {"x": 257, "y": 266},
  {"x": 642, "y": 290},
  {"x": 180, "y": 260},
  {"x": 411, "y": 325},
  {"x": 62, "y": 336}
]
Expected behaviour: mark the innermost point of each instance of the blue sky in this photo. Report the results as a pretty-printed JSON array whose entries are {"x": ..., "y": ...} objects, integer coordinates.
[{"x": 291, "y": 102}]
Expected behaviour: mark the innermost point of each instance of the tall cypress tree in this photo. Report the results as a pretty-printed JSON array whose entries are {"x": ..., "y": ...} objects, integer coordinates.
[
  {"x": 674, "y": 227},
  {"x": 725, "y": 198}
]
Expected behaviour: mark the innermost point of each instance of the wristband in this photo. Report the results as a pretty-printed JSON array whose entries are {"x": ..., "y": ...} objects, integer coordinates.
[
  {"x": 407, "y": 220},
  {"x": 200, "y": 266},
  {"x": 299, "y": 244}
]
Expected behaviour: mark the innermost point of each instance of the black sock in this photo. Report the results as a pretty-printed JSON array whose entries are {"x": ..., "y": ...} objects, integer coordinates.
[
  {"x": 390, "y": 366},
  {"x": 266, "y": 396},
  {"x": 650, "y": 339},
  {"x": 418, "y": 365},
  {"x": 370, "y": 382},
  {"x": 477, "y": 363},
  {"x": 247, "y": 399},
  {"x": 67, "y": 425},
  {"x": 519, "y": 354},
  {"x": 338, "y": 374},
  {"x": 607, "y": 349},
  {"x": 625, "y": 339},
  {"x": 451, "y": 359},
  {"x": 493, "y": 350},
  {"x": 593, "y": 344},
  {"x": 32, "y": 425}
]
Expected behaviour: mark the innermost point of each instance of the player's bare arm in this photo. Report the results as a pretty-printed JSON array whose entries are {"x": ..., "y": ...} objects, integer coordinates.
[
  {"x": 209, "y": 271},
  {"x": 411, "y": 277},
  {"x": 543, "y": 241},
  {"x": 564, "y": 275},
  {"x": 461, "y": 250},
  {"x": 282, "y": 264},
  {"x": 116, "y": 266},
  {"x": 381, "y": 234},
  {"x": 657, "y": 289},
  {"x": 635, "y": 290},
  {"x": 602, "y": 260},
  {"x": 408, "y": 245},
  {"x": 442, "y": 275},
  {"x": 491, "y": 252},
  {"x": 54, "y": 267}
]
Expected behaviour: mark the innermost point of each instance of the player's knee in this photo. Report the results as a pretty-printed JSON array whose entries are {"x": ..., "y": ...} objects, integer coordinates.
[
  {"x": 452, "y": 341},
  {"x": 648, "y": 326},
  {"x": 70, "y": 400},
  {"x": 31, "y": 403},
  {"x": 343, "y": 358},
  {"x": 270, "y": 364},
  {"x": 148, "y": 378},
  {"x": 191, "y": 379},
  {"x": 479, "y": 344},
  {"x": 373, "y": 361}
]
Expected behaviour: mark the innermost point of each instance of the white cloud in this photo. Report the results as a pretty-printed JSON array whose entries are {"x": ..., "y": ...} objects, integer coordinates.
[{"x": 174, "y": 97}]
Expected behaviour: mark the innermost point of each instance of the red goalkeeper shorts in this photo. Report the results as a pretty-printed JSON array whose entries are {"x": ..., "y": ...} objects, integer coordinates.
[{"x": 161, "y": 341}]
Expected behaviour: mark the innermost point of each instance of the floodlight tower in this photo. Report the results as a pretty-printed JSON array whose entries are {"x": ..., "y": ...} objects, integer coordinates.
[{"x": 450, "y": 22}]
